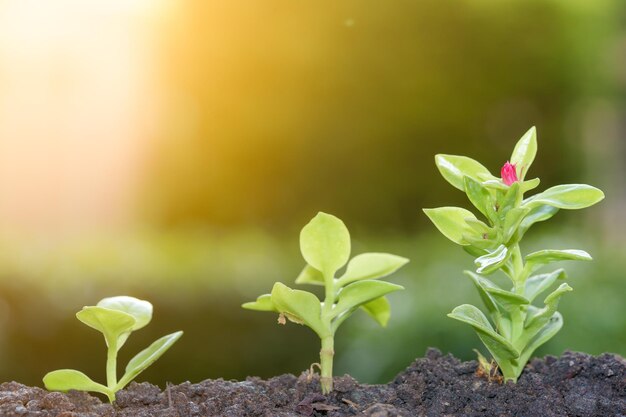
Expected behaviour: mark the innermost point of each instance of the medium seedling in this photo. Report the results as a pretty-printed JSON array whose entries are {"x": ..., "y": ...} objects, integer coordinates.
[
  {"x": 519, "y": 327},
  {"x": 115, "y": 318},
  {"x": 325, "y": 245}
]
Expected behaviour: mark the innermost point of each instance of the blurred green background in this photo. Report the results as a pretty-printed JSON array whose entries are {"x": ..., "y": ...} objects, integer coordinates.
[{"x": 172, "y": 151}]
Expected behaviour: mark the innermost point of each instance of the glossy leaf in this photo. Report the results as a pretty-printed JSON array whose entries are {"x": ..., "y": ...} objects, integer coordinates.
[
  {"x": 479, "y": 196},
  {"x": 569, "y": 196},
  {"x": 491, "y": 262},
  {"x": 141, "y": 310},
  {"x": 537, "y": 284},
  {"x": 495, "y": 185},
  {"x": 535, "y": 215},
  {"x": 511, "y": 199},
  {"x": 499, "y": 347},
  {"x": 302, "y": 305},
  {"x": 379, "y": 310},
  {"x": 512, "y": 221},
  {"x": 508, "y": 300},
  {"x": 147, "y": 357},
  {"x": 481, "y": 284},
  {"x": 453, "y": 168},
  {"x": 529, "y": 185},
  {"x": 482, "y": 242},
  {"x": 371, "y": 266},
  {"x": 310, "y": 275},
  {"x": 552, "y": 327},
  {"x": 539, "y": 318},
  {"x": 536, "y": 259},
  {"x": 451, "y": 222},
  {"x": 113, "y": 324},
  {"x": 524, "y": 152},
  {"x": 262, "y": 303},
  {"x": 479, "y": 227},
  {"x": 362, "y": 292},
  {"x": 69, "y": 379},
  {"x": 325, "y": 243}
]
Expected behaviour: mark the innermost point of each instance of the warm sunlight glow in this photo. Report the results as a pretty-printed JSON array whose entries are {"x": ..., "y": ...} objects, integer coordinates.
[{"x": 77, "y": 101}]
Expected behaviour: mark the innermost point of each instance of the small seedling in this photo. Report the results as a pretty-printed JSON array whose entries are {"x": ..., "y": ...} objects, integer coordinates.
[
  {"x": 520, "y": 327},
  {"x": 325, "y": 245},
  {"x": 116, "y": 318}
]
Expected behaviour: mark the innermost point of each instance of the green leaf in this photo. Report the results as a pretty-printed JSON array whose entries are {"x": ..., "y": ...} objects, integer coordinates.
[
  {"x": 524, "y": 153},
  {"x": 325, "y": 243},
  {"x": 508, "y": 300},
  {"x": 479, "y": 196},
  {"x": 529, "y": 185},
  {"x": 147, "y": 357},
  {"x": 546, "y": 333},
  {"x": 543, "y": 257},
  {"x": 453, "y": 168},
  {"x": 480, "y": 227},
  {"x": 69, "y": 379},
  {"x": 113, "y": 324},
  {"x": 501, "y": 321},
  {"x": 493, "y": 260},
  {"x": 262, "y": 303},
  {"x": 512, "y": 220},
  {"x": 475, "y": 251},
  {"x": 537, "y": 284},
  {"x": 482, "y": 236},
  {"x": 569, "y": 196},
  {"x": 538, "y": 318},
  {"x": 310, "y": 275},
  {"x": 451, "y": 222},
  {"x": 481, "y": 284},
  {"x": 498, "y": 346},
  {"x": 483, "y": 242},
  {"x": 300, "y": 305},
  {"x": 511, "y": 199},
  {"x": 141, "y": 310},
  {"x": 535, "y": 215},
  {"x": 371, "y": 266},
  {"x": 362, "y": 292},
  {"x": 379, "y": 310},
  {"x": 495, "y": 185}
]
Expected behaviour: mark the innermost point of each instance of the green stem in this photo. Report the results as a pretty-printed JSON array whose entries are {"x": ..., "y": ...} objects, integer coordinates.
[
  {"x": 327, "y": 352},
  {"x": 112, "y": 368},
  {"x": 326, "y": 363},
  {"x": 518, "y": 268},
  {"x": 518, "y": 316}
]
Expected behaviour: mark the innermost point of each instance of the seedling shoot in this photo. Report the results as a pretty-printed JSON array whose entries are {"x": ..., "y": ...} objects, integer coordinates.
[{"x": 325, "y": 245}]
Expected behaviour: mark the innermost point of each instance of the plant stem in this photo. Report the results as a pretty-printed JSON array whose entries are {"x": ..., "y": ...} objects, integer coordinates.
[
  {"x": 112, "y": 369},
  {"x": 326, "y": 363},
  {"x": 518, "y": 268},
  {"x": 518, "y": 315},
  {"x": 328, "y": 341}
]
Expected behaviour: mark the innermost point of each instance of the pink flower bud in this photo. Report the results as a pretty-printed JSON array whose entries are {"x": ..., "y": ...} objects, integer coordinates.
[{"x": 508, "y": 174}]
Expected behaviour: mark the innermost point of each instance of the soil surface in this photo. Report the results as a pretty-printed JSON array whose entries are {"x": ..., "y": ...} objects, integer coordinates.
[{"x": 574, "y": 385}]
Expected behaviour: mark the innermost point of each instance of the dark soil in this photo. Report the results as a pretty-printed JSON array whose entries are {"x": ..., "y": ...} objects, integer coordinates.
[{"x": 574, "y": 385}]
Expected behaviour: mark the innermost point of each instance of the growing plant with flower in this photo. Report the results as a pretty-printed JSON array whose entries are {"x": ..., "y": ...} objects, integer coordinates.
[
  {"x": 519, "y": 327},
  {"x": 116, "y": 318},
  {"x": 325, "y": 245}
]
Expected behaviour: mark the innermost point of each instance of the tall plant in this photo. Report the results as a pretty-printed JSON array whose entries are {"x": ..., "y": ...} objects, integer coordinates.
[{"x": 519, "y": 327}]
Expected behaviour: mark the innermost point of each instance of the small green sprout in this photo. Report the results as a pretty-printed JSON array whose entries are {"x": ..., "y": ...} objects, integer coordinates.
[
  {"x": 325, "y": 245},
  {"x": 116, "y": 318},
  {"x": 520, "y": 327}
]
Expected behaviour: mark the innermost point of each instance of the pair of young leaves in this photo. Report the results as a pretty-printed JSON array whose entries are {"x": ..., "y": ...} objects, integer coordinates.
[
  {"x": 115, "y": 318},
  {"x": 325, "y": 245},
  {"x": 520, "y": 327}
]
